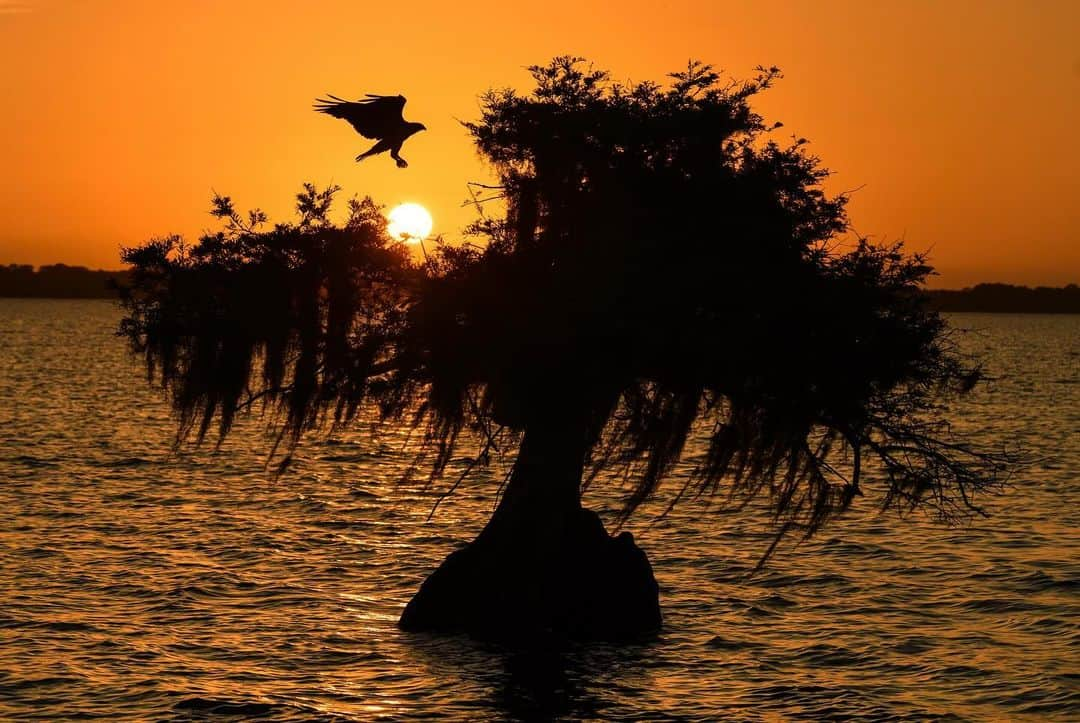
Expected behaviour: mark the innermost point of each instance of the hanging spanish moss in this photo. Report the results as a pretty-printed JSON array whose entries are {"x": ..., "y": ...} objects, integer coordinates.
[{"x": 665, "y": 265}]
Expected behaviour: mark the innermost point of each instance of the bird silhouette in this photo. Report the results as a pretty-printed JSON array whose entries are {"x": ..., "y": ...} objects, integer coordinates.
[{"x": 374, "y": 116}]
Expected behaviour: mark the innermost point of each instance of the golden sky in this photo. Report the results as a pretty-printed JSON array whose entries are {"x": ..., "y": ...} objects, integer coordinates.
[{"x": 960, "y": 121}]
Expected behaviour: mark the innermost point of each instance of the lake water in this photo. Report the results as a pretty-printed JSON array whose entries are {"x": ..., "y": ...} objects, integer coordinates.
[{"x": 135, "y": 585}]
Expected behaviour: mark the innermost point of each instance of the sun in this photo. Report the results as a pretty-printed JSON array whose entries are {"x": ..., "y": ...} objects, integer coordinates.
[{"x": 409, "y": 222}]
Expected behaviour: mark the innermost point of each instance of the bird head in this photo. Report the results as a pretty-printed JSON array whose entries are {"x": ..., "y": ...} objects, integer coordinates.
[{"x": 417, "y": 127}]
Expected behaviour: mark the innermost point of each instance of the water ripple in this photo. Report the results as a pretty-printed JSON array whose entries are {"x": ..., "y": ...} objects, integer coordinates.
[{"x": 138, "y": 584}]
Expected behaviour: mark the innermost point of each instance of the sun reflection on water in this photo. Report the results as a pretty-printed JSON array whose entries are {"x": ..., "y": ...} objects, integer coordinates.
[{"x": 141, "y": 584}]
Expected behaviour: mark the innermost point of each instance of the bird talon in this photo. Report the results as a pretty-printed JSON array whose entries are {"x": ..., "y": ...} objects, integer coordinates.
[{"x": 375, "y": 116}]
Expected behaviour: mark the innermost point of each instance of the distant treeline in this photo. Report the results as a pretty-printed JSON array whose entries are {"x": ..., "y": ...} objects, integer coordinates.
[
  {"x": 58, "y": 281},
  {"x": 1008, "y": 299}
]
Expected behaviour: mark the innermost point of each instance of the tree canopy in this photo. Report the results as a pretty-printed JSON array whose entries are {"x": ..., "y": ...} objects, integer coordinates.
[{"x": 664, "y": 264}]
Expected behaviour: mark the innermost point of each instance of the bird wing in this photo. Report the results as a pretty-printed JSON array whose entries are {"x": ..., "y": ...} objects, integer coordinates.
[{"x": 374, "y": 116}]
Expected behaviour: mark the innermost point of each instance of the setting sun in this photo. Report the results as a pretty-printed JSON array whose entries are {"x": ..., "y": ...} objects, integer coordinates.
[
  {"x": 799, "y": 279},
  {"x": 409, "y": 222}
]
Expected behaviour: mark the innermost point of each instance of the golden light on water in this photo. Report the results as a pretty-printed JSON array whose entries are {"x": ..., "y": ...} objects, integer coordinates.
[{"x": 409, "y": 222}]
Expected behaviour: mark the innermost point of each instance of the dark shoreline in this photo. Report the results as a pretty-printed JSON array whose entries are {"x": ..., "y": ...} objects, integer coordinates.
[
  {"x": 1008, "y": 299},
  {"x": 60, "y": 281}
]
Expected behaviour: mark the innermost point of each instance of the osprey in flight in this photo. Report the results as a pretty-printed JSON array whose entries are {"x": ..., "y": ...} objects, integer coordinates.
[{"x": 376, "y": 116}]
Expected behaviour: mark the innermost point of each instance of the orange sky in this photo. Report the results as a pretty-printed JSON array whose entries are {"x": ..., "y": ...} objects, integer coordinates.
[{"x": 960, "y": 119}]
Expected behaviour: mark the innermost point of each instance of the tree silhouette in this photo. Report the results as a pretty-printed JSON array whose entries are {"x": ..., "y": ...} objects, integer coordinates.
[{"x": 663, "y": 268}]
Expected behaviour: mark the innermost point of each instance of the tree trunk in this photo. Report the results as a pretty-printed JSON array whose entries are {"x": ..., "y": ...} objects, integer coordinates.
[{"x": 543, "y": 564}]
